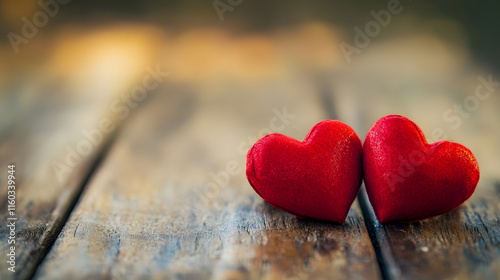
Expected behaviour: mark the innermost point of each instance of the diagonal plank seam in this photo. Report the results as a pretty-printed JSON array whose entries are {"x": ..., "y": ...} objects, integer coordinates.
[
  {"x": 379, "y": 238},
  {"x": 77, "y": 196},
  {"x": 326, "y": 96},
  {"x": 49, "y": 242}
]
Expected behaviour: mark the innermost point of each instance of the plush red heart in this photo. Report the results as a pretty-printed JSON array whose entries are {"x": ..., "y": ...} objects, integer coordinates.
[
  {"x": 407, "y": 179},
  {"x": 318, "y": 178}
]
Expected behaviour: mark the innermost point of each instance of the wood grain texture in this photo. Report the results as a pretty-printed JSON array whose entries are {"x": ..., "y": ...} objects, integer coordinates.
[
  {"x": 42, "y": 199},
  {"x": 43, "y": 116},
  {"x": 154, "y": 210},
  {"x": 462, "y": 244}
]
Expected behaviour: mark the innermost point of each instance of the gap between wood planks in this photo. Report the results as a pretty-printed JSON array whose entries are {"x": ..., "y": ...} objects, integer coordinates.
[
  {"x": 378, "y": 236},
  {"x": 101, "y": 155},
  {"x": 74, "y": 201},
  {"x": 185, "y": 104}
]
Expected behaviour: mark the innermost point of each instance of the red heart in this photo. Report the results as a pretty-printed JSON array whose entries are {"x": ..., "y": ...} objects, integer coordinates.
[
  {"x": 407, "y": 179},
  {"x": 318, "y": 178}
]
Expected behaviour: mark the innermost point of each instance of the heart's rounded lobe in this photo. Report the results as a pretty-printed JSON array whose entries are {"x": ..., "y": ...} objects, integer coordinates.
[{"x": 318, "y": 178}]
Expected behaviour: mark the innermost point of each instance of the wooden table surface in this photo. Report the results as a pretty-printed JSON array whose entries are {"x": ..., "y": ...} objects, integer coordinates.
[{"x": 164, "y": 195}]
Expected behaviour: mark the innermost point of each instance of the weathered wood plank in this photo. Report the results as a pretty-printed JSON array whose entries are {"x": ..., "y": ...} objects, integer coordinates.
[
  {"x": 155, "y": 209},
  {"x": 47, "y": 112},
  {"x": 463, "y": 244}
]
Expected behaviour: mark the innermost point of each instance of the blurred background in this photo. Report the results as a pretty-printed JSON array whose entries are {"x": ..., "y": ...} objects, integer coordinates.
[
  {"x": 103, "y": 46},
  {"x": 82, "y": 54}
]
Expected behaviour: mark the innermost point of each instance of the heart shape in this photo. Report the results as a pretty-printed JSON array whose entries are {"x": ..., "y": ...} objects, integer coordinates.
[
  {"x": 318, "y": 178},
  {"x": 407, "y": 179}
]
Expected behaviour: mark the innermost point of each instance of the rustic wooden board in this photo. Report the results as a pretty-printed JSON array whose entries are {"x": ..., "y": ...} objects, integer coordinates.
[
  {"x": 46, "y": 111},
  {"x": 463, "y": 244},
  {"x": 153, "y": 210},
  {"x": 42, "y": 199}
]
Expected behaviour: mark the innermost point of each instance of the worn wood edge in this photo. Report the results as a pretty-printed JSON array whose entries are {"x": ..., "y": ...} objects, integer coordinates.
[
  {"x": 74, "y": 185},
  {"x": 75, "y": 182},
  {"x": 48, "y": 234},
  {"x": 49, "y": 237},
  {"x": 84, "y": 176}
]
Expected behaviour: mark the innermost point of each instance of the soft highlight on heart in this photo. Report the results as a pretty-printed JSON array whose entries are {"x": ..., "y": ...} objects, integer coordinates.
[
  {"x": 318, "y": 178},
  {"x": 407, "y": 179}
]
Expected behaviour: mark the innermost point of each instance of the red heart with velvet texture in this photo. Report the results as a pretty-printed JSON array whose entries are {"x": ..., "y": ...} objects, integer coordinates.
[
  {"x": 407, "y": 179},
  {"x": 318, "y": 178}
]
